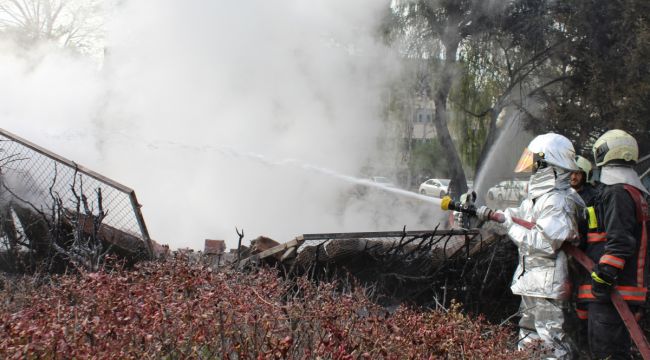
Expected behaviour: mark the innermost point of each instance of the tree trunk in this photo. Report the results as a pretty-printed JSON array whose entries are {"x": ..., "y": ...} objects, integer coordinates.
[{"x": 456, "y": 172}]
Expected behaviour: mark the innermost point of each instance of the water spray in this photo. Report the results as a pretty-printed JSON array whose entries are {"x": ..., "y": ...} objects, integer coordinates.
[{"x": 259, "y": 158}]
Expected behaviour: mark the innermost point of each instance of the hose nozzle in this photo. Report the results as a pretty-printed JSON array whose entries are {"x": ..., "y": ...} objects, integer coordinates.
[
  {"x": 446, "y": 201},
  {"x": 448, "y": 204},
  {"x": 483, "y": 213}
]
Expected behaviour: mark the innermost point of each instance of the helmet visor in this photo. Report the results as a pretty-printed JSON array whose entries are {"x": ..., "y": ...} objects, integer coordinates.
[{"x": 526, "y": 162}]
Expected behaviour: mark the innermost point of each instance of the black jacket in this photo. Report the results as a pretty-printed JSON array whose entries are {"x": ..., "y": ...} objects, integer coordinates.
[
  {"x": 617, "y": 243},
  {"x": 588, "y": 194}
]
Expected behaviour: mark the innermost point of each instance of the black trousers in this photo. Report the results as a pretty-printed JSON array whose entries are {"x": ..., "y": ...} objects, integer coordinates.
[{"x": 607, "y": 334}]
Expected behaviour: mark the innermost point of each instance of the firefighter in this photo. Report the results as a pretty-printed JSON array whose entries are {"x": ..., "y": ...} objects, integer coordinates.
[
  {"x": 581, "y": 180},
  {"x": 541, "y": 277},
  {"x": 617, "y": 243}
]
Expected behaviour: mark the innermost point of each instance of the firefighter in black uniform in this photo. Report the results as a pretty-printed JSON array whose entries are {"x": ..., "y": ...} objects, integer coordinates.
[
  {"x": 581, "y": 181},
  {"x": 617, "y": 243}
]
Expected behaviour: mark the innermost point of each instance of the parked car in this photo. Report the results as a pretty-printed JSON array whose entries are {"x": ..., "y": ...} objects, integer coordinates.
[
  {"x": 508, "y": 190},
  {"x": 435, "y": 187}
]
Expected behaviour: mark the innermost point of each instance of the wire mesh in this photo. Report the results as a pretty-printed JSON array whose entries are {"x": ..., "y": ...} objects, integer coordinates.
[{"x": 37, "y": 176}]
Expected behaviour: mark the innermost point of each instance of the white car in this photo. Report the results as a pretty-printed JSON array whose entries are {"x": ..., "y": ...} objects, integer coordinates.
[
  {"x": 508, "y": 190},
  {"x": 435, "y": 187}
]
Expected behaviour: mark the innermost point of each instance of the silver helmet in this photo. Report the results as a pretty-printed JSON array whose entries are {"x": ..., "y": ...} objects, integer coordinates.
[{"x": 551, "y": 149}]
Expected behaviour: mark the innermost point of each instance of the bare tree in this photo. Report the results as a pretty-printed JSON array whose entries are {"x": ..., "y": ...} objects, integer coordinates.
[{"x": 72, "y": 24}]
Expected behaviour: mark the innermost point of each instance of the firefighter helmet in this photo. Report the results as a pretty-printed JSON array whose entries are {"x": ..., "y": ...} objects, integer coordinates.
[
  {"x": 617, "y": 146},
  {"x": 548, "y": 149},
  {"x": 585, "y": 166}
]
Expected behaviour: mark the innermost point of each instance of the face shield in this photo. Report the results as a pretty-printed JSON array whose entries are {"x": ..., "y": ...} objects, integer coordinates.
[
  {"x": 548, "y": 150},
  {"x": 529, "y": 162}
]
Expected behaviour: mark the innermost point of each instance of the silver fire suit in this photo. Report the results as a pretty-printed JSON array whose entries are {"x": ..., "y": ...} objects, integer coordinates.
[{"x": 542, "y": 276}]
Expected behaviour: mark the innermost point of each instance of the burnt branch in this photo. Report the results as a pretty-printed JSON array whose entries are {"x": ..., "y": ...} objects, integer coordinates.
[
  {"x": 65, "y": 233},
  {"x": 241, "y": 236},
  {"x": 426, "y": 269}
]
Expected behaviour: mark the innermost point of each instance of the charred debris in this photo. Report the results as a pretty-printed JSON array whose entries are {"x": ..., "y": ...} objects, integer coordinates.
[{"x": 420, "y": 268}]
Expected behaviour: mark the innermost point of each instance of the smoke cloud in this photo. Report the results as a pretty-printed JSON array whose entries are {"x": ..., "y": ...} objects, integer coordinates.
[{"x": 197, "y": 104}]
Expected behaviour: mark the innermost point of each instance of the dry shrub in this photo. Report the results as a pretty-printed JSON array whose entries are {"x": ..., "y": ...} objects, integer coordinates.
[{"x": 176, "y": 310}]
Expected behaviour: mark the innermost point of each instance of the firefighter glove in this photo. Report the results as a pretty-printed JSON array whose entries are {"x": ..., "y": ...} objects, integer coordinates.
[{"x": 603, "y": 278}]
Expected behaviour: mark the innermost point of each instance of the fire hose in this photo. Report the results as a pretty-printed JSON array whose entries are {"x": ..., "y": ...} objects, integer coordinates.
[{"x": 621, "y": 306}]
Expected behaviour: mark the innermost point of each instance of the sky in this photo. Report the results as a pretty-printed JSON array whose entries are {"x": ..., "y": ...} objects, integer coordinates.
[{"x": 224, "y": 114}]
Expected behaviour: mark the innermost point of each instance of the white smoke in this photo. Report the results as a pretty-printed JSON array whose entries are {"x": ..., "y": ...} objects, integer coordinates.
[{"x": 181, "y": 80}]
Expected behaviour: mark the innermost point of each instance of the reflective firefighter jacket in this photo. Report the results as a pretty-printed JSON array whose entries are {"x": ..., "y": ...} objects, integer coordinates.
[
  {"x": 617, "y": 237},
  {"x": 543, "y": 267}
]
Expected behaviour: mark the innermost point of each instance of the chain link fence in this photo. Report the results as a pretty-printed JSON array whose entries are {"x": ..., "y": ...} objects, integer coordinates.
[{"x": 37, "y": 177}]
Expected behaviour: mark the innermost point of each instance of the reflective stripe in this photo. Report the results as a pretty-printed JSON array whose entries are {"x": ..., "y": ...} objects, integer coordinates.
[
  {"x": 632, "y": 293},
  {"x": 629, "y": 293},
  {"x": 612, "y": 260},
  {"x": 582, "y": 314},
  {"x": 593, "y": 237},
  {"x": 584, "y": 292},
  {"x": 591, "y": 217}
]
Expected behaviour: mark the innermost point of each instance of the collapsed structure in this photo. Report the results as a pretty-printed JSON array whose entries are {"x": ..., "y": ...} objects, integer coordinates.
[
  {"x": 423, "y": 268},
  {"x": 54, "y": 212}
]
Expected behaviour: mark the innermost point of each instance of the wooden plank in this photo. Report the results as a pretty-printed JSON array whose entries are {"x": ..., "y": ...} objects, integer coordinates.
[
  {"x": 457, "y": 244},
  {"x": 272, "y": 251},
  {"x": 485, "y": 242},
  {"x": 388, "y": 234},
  {"x": 282, "y": 247},
  {"x": 137, "y": 208},
  {"x": 111, "y": 235}
]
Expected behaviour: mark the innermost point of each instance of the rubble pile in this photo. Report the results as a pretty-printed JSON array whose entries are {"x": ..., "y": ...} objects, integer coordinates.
[{"x": 424, "y": 268}]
